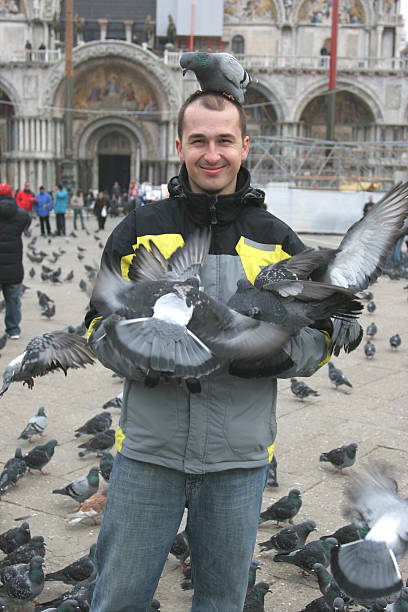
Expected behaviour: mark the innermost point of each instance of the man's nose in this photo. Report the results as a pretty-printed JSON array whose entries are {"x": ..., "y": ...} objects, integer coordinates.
[{"x": 212, "y": 155}]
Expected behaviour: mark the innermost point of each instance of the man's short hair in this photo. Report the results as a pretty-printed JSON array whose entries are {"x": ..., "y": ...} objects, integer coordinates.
[
  {"x": 41, "y": 187},
  {"x": 212, "y": 100}
]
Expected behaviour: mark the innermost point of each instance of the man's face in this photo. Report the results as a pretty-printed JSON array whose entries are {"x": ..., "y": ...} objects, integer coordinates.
[{"x": 212, "y": 148}]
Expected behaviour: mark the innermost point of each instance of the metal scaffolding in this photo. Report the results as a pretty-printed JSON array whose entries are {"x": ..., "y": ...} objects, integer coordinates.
[{"x": 321, "y": 164}]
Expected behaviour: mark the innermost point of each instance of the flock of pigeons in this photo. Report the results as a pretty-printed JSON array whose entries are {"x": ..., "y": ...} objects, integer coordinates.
[{"x": 251, "y": 332}]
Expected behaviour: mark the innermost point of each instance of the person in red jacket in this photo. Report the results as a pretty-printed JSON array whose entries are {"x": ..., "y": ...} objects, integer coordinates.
[{"x": 26, "y": 198}]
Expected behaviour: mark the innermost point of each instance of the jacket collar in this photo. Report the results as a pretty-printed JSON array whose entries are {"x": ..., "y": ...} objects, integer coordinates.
[{"x": 206, "y": 209}]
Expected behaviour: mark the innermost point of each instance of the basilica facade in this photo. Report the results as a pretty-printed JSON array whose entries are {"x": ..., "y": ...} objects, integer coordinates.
[{"x": 128, "y": 85}]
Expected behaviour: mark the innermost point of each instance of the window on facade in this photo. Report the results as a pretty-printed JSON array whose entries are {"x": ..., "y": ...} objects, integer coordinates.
[
  {"x": 238, "y": 44},
  {"x": 92, "y": 31},
  {"x": 116, "y": 29}
]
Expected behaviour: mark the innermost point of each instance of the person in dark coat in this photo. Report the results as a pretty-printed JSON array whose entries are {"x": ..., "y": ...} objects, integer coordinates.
[
  {"x": 101, "y": 208},
  {"x": 14, "y": 220}
]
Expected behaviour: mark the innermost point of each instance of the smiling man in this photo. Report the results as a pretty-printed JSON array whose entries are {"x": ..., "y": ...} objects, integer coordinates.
[{"x": 208, "y": 452}]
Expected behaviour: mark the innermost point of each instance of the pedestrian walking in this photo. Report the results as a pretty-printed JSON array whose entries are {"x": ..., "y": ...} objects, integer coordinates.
[
  {"x": 42, "y": 207},
  {"x": 77, "y": 205},
  {"x": 60, "y": 208},
  {"x": 101, "y": 208},
  {"x": 14, "y": 220}
]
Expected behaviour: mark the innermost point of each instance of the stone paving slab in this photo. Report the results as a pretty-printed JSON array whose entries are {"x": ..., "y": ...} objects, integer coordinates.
[{"x": 372, "y": 413}]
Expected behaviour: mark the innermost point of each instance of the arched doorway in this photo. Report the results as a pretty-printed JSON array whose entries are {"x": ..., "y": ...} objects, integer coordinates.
[
  {"x": 353, "y": 118},
  {"x": 261, "y": 114},
  {"x": 114, "y": 157}
]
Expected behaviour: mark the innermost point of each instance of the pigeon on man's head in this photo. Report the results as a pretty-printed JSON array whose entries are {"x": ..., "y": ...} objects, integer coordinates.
[
  {"x": 289, "y": 538},
  {"x": 317, "y": 551},
  {"x": 48, "y": 352},
  {"x": 284, "y": 510},
  {"x": 83, "y": 487},
  {"x": 395, "y": 341},
  {"x": 39, "y": 456},
  {"x": 23, "y": 582},
  {"x": 100, "y": 422},
  {"x": 82, "y": 569},
  {"x": 337, "y": 377},
  {"x": 342, "y": 457},
  {"x": 369, "y": 349},
  {"x": 100, "y": 442},
  {"x": 13, "y": 470},
  {"x": 301, "y": 390},
  {"x": 367, "y": 569},
  {"x": 35, "y": 426},
  {"x": 219, "y": 72},
  {"x": 15, "y": 537}
]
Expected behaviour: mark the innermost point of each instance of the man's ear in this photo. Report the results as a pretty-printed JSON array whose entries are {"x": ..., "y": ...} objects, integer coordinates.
[
  {"x": 179, "y": 150},
  {"x": 245, "y": 148}
]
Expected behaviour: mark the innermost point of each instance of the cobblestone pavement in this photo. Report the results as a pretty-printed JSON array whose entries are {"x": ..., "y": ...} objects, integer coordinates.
[{"x": 372, "y": 413}]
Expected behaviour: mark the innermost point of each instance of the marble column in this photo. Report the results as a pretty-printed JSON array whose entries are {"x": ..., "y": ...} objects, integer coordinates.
[
  {"x": 128, "y": 29},
  {"x": 37, "y": 147},
  {"x": 103, "y": 23}
]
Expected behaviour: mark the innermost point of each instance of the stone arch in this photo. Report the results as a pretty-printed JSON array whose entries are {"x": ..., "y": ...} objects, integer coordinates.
[
  {"x": 270, "y": 94},
  {"x": 96, "y": 129},
  {"x": 144, "y": 61},
  {"x": 12, "y": 94},
  {"x": 366, "y": 95}
]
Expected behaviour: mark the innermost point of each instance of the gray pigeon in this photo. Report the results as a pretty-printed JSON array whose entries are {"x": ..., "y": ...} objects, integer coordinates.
[
  {"x": 100, "y": 422},
  {"x": 102, "y": 441},
  {"x": 105, "y": 465},
  {"x": 219, "y": 72},
  {"x": 69, "y": 605},
  {"x": 78, "y": 571},
  {"x": 51, "y": 351},
  {"x": 289, "y": 538},
  {"x": 39, "y": 456},
  {"x": 13, "y": 470},
  {"x": 24, "y": 553},
  {"x": 180, "y": 547},
  {"x": 372, "y": 330},
  {"x": 369, "y": 349},
  {"x": 337, "y": 377},
  {"x": 35, "y": 426},
  {"x": 24, "y": 581},
  {"x": 367, "y": 569},
  {"x": 272, "y": 477},
  {"x": 13, "y": 538},
  {"x": 317, "y": 551},
  {"x": 254, "y": 600},
  {"x": 348, "y": 533},
  {"x": 328, "y": 586},
  {"x": 395, "y": 341},
  {"x": 284, "y": 510},
  {"x": 342, "y": 457},
  {"x": 371, "y": 307},
  {"x": 115, "y": 402},
  {"x": 301, "y": 389},
  {"x": 82, "y": 488}
]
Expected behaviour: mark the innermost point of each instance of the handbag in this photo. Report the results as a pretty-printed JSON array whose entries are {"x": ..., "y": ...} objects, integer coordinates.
[{"x": 104, "y": 212}]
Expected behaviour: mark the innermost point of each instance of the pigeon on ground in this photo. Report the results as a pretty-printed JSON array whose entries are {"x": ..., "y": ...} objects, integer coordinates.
[
  {"x": 337, "y": 377},
  {"x": 39, "y": 456},
  {"x": 284, "y": 510},
  {"x": 3, "y": 341},
  {"x": 102, "y": 441},
  {"x": 92, "y": 508},
  {"x": 100, "y": 422},
  {"x": 317, "y": 551},
  {"x": 395, "y": 341},
  {"x": 83, "y": 286},
  {"x": 70, "y": 605},
  {"x": 372, "y": 330},
  {"x": 78, "y": 571},
  {"x": 367, "y": 296},
  {"x": 180, "y": 547},
  {"x": 342, "y": 457},
  {"x": 43, "y": 299},
  {"x": 105, "y": 465},
  {"x": 49, "y": 312},
  {"x": 401, "y": 604},
  {"x": 13, "y": 538},
  {"x": 272, "y": 477},
  {"x": 35, "y": 426},
  {"x": 317, "y": 605},
  {"x": 369, "y": 349},
  {"x": 115, "y": 402},
  {"x": 82, "y": 488},
  {"x": 371, "y": 307},
  {"x": 32, "y": 273},
  {"x": 48, "y": 352},
  {"x": 367, "y": 569},
  {"x": 187, "y": 584},
  {"x": 289, "y": 538},
  {"x": 69, "y": 276},
  {"x": 219, "y": 72},
  {"x": 23, "y": 582},
  {"x": 81, "y": 593},
  {"x": 254, "y": 600},
  {"x": 348, "y": 533},
  {"x": 301, "y": 389},
  {"x": 327, "y": 585},
  {"x": 24, "y": 553},
  {"x": 13, "y": 470},
  {"x": 253, "y": 568}
]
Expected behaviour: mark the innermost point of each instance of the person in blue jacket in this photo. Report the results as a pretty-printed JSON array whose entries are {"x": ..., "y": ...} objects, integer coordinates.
[
  {"x": 43, "y": 206},
  {"x": 60, "y": 208}
]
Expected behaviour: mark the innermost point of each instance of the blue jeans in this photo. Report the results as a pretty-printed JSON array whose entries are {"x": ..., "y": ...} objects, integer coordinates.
[
  {"x": 12, "y": 317},
  {"x": 60, "y": 224},
  {"x": 143, "y": 512},
  {"x": 78, "y": 213}
]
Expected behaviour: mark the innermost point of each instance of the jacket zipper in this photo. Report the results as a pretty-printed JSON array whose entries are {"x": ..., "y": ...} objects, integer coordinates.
[{"x": 213, "y": 211}]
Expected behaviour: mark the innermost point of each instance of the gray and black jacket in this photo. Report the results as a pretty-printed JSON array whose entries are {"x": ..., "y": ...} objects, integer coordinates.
[{"x": 232, "y": 422}]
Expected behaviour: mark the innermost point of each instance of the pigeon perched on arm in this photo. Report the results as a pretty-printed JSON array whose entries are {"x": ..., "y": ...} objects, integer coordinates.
[
  {"x": 289, "y": 538},
  {"x": 50, "y": 351},
  {"x": 342, "y": 457},
  {"x": 13, "y": 470},
  {"x": 78, "y": 571},
  {"x": 13, "y": 538},
  {"x": 102, "y": 441},
  {"x": 82, "y": 488},
  {"x": 367, "y": 569},
  {"x": 220, "y": 72},
  {"x": 284, "y": 510},
  {"x": 100, "y": 422},
  {"x": 35, "y": 426},
  {"x": 39, "y": 456},
  {"x": 337, "y": 377}
]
